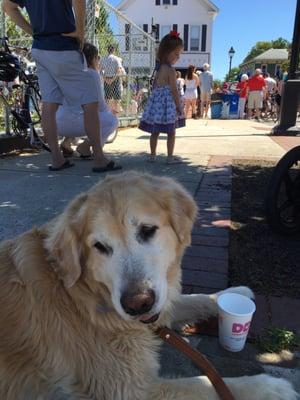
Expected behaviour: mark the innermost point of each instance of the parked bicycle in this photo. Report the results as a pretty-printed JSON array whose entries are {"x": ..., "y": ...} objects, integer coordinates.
[
  {"x": 283, "y": 195},
  {"x": 19, "y": 93},
  {"x": 270, "y": 109}
]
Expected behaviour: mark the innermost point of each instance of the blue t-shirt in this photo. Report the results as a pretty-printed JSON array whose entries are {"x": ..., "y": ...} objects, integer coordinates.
[{"x": 49, "y": 19}]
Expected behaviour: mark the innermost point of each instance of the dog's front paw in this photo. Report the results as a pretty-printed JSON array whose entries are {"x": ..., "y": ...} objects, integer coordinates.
[
  {"x": 261, "y": 387},
  {"x": 243, "y": 290},
  {"x": 277, "y": 389}
]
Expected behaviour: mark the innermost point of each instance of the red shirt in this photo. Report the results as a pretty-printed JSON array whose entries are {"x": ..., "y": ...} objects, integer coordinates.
[
  {"x": 242, "y": 89},
  {"x": 256, "y": 82}
]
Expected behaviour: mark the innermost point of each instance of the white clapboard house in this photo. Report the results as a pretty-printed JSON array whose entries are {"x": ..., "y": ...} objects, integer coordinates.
[{"x": 193, "y": 19}]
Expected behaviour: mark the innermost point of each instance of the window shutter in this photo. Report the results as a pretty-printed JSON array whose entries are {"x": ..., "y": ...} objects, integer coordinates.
[
  {"x": 203, "y": 39},
  {"x": 127, "y": 37},
  {"x": 175, "y": 2},
  {"x": 157, "y": 2},
  {"x": 157, "y": 32},
  {"x": 186, "y": 37},
  {"x": 175, "y": 27},
  {"x": 145, "y": 27}
]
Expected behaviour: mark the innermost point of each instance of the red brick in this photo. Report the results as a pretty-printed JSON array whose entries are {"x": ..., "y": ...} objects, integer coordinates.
[
  {"x": 205, "y": 279},
  {"x": 217, "y": 253},
  {"x": 205, "y": 264},
  {"x": 261, "y": 319},
  {"x": 210, "y": 241}
]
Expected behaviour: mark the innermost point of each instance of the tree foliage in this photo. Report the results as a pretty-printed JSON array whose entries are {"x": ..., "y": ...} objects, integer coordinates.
[
  {"x": 261, "y": 47},
  {"x": 234, "y": 72}
]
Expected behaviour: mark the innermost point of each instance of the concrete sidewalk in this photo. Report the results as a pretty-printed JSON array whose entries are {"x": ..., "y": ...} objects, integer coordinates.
[{"x": 31, "y": 195}]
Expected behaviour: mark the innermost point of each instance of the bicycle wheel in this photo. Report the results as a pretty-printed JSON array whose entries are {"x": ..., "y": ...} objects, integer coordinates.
[{"x": 283, "y": 195}]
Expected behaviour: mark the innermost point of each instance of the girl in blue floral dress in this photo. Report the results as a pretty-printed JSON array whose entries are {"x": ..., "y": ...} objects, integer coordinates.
[{"x": 164, "y": 112}]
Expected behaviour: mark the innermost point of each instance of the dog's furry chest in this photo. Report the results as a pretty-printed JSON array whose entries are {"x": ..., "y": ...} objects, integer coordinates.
[{"x": 122, "y": 366}]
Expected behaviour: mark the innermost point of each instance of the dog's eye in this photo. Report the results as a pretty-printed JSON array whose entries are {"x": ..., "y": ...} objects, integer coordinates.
[
  {"x": 103, "y": 248},
  {"x": 146, "y": 232}
]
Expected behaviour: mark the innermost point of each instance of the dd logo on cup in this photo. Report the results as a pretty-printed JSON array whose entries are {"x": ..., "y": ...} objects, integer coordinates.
[{"x": 241, "y": 328}]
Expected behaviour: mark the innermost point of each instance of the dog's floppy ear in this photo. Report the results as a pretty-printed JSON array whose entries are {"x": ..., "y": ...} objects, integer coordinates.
[
  {"x": 183, "y": 211},
  {"x": 63, "y": 242}
]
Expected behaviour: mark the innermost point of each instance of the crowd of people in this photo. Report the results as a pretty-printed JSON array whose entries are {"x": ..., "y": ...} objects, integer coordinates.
[
  {"x": 75, "y": 94},
  {"x": 255, "y": 91},
  {"x": 195, "y": 91}
]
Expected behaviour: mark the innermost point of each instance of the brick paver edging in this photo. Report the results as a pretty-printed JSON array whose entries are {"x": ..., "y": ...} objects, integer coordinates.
[{"x": 205, "y": 264}]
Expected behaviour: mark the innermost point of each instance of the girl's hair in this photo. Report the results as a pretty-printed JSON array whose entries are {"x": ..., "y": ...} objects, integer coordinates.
[
  {"x": 190, "y": 72},
  {"x": 178, "y": 74},
  {"x": 91, "y": 52},
  {"x": 168, "y": 44}
]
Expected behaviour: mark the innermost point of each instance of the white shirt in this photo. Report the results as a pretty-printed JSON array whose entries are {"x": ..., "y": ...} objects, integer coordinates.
[
  {"x": 271, "y": 84},
  {"x": 111, "y": 65}
]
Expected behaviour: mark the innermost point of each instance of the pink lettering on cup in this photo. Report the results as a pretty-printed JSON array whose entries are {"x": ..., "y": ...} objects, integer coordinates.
[
  {"x": 237, "y": 328},
  {"x": 241, "y": 328}
]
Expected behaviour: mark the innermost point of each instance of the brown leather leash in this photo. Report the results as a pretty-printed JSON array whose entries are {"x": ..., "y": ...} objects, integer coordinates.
[{"x": 199, "y": 359}]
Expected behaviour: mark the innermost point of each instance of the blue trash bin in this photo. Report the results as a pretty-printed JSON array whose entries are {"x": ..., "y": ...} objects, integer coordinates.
[
  {"x": 216, "y": 109},
  {"x": 233, "y": 100}
]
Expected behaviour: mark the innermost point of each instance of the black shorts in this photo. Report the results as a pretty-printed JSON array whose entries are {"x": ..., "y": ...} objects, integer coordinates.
[{"x": 113, "y": 90}]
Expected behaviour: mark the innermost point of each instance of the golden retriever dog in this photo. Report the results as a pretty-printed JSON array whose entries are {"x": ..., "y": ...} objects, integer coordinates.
[{"x": 80, "y": 299}]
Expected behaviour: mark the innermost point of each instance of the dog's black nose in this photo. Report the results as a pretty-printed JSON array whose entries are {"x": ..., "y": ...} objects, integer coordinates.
[{"x": 138, "y": 303}]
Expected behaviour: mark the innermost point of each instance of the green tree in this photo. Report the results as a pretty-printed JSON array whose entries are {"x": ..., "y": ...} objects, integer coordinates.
[
  {"x": 261, "y": 47},
  {"x": 233, "y": 74},
  {"x": 103, "y": 29}
]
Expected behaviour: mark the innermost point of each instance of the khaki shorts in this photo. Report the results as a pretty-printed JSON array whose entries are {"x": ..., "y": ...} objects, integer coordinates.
[
  {"x": 255, "y": 99},
  {"x": 63, "y": 75},
  {"x": 205, "y": 97}
]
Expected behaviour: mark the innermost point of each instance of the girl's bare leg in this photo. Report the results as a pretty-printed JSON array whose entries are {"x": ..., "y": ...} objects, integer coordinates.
[{"x": 153, "y": 143}]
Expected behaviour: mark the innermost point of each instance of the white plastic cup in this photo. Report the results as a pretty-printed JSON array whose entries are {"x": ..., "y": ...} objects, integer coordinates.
[{"x": 235, "y": 315}]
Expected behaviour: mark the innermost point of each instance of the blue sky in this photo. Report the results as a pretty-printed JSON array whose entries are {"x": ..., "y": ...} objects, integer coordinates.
[{"x": 242, "y": 23}]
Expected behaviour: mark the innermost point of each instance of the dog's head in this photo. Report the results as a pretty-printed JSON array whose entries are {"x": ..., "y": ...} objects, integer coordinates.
[{"x": 129, "y": 232}]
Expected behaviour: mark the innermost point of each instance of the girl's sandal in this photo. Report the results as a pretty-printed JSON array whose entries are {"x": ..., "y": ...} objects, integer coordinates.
[
  {"x": 174, "y": 160},
  {"x": 151, "y": 158}
]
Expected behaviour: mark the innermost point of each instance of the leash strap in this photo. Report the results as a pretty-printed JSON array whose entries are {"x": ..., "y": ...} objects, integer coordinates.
[{"x": 199, "y": 359}]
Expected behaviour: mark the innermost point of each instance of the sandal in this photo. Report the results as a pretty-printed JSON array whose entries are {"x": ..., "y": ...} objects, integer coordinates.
[
  {"x": 174, "y": 160},
  {"x": 66, "y": 164},
  {"x": 151, "y": 158},
  {"x": 111, "y": 166}
]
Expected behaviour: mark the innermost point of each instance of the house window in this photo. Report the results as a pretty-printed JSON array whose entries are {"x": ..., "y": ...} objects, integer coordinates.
[
  {"x": 166, "y": 2},
  {"x": 140, "y": 41},
  {"x": 194, "y": 38},
  {"x": 165, "y": 30}
]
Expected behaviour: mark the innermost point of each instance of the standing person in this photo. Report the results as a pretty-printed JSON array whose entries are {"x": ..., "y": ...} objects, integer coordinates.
[
  {"x": 163, "y": 113},
  {"x": 206, "y": 87},
  {"x": 112, "y": 69},
  {"x": 270, "y": 84},
  {"x": 58, "y": 35},
  {"x": 242, "y": 92},
  {"x": 191, "y": 94},
  {"x": 256, "y": 92},
  {"x": 180, "y": 83},
  {"x": 70, "y": 119}
]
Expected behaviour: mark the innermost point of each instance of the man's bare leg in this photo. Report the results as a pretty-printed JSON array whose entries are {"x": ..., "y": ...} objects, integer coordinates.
[
  {"x": 92, "y": 129},
  {"x": 50, "y": 130}
]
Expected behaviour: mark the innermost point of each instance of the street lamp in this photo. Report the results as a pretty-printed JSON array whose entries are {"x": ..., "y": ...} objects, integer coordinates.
[{"x": 231, "y": 53}]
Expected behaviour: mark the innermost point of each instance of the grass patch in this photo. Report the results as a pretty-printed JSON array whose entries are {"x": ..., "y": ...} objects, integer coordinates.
[{"x": 274, "y": 340}]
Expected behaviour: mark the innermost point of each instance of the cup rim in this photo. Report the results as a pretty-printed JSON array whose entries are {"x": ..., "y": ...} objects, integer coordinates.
[{"x": 241, "y": 298}]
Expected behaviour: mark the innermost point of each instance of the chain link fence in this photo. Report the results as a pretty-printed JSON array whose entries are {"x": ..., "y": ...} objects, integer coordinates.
[{"x": 126, "y": 89}]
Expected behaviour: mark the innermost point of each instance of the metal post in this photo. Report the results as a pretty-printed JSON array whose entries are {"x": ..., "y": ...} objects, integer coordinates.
[
  {"x": 230, "y": 61},
  {"x": 296, "y": 45},
  {"x": 128, "y": 94},
  {"x": 291, "y": 91}
]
